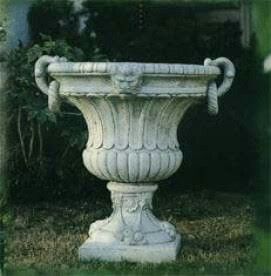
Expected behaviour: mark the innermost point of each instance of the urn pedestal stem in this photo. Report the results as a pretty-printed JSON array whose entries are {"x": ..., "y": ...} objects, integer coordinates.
[{"x": 132, "y": 232}]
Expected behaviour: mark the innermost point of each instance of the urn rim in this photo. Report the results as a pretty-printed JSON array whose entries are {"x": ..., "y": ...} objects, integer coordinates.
[{"x": 107, "y": 68}]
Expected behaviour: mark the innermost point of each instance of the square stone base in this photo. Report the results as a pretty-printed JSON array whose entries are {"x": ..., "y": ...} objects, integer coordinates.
[{"x": 166, "y": 252}]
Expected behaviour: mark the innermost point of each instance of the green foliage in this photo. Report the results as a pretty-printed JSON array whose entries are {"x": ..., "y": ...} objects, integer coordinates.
[
  {"x": 263, "y": 264},
  {"x": 62, "y": 21},
  {"x": 261, "y": 12},
  {"x": 42, "y": 141}
]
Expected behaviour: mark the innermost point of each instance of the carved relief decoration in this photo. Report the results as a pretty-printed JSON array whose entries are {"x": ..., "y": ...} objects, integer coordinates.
[
  {"x": 126, "y": 78},
  {"x": 132, "y": 221}
]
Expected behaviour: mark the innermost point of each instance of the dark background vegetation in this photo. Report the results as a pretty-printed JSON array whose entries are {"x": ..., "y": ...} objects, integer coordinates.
[{"x": 221, "y": 153}]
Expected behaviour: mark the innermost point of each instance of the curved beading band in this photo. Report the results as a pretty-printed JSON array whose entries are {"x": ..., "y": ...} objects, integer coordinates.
[{"x": 213, "y": 91}]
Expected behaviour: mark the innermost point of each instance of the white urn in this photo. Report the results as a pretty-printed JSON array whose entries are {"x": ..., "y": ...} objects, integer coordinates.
[{"x": 132, "y": 111}]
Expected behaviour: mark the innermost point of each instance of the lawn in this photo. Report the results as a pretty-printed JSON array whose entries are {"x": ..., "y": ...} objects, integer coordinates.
[{"x": 216, "y": 232}]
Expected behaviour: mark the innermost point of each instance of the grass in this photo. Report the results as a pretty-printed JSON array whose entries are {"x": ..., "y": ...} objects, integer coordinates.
[{"x": 216, "y": 231}]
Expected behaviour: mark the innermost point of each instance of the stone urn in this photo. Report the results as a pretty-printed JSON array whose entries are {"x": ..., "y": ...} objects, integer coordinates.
[{"x": 132, "y": 111}]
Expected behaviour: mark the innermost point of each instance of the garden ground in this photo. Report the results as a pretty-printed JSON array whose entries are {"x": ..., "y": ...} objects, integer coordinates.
[{"x": 216, "y": 234}]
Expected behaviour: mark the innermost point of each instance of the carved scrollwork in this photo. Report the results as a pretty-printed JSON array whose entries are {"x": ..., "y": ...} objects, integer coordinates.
[
  {"x": 169, "y": 229},
  {"x": 130, "y": 237},
  {"x": 132, "y": 222},
  {"x": 132, "y": 204}
]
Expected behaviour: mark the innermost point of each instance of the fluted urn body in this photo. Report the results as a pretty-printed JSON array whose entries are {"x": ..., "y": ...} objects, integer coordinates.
[{"x": 132, "y": 111}]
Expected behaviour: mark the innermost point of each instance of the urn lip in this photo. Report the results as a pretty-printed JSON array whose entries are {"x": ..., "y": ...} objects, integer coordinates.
[{"x": 107, "y": 68}]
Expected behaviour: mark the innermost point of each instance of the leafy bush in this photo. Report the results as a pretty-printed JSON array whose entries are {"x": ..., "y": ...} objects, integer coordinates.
[
  {"x": 43, "y": 143},
  {"x": 62, "y": 21}
]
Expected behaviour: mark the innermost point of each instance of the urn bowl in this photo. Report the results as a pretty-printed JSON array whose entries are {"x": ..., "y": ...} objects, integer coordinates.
[{"x": 132, "y": 111}]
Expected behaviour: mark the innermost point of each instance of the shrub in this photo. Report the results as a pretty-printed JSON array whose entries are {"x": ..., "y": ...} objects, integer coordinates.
[{"x": 43, "y": 143}]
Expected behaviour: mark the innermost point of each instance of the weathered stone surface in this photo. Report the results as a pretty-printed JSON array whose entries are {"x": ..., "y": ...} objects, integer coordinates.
[
  {"x": 155, "y": 253},
  {"x": 132, "y": 111},
  {"x": 131, "y": 230}
]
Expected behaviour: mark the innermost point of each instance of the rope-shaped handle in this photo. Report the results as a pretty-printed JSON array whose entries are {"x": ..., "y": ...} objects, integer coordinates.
[
  {"x": 213, "y": 92},
  {"x": 51, "y": 89}
]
